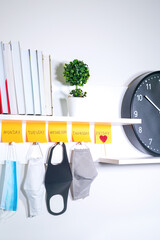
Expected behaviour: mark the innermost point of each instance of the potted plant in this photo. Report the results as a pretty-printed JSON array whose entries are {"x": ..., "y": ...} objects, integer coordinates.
[{"x": 76, "y": 73}]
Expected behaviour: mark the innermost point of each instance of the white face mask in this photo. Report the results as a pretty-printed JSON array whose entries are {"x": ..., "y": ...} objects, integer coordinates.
[
  {"x": 83, "y": 172},
  {"x": 34, "y": 183}
]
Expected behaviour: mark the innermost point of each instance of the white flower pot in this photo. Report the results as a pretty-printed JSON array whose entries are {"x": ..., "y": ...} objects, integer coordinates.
[{"x": 77, "y": 106}]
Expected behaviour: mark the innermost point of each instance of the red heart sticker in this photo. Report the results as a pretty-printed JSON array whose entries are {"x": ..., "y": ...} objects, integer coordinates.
[{"x": 103, "y": 138}]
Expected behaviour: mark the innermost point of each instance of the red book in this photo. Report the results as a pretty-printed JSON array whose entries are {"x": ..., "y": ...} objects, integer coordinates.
[
  {"x": 8, "y": 104},
  {"x": 3, "y": 93},
  {"x": 1, "y": 108}
]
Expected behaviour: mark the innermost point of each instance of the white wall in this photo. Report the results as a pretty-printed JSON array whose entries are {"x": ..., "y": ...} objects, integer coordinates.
[{"x": 118, "y": 40}]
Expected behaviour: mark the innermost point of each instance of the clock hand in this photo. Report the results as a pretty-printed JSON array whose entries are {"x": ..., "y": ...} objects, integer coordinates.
[{"x": 152, "y": 102}]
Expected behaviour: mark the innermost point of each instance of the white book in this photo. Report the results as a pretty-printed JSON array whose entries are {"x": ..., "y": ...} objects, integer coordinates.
[
  {"x": 3, "y": 93},
  {"x": 48, "y": 85},
  {"x": 17, "y": 69},
  {"x": 51, "y": 98},
  {"x": 27, "y": 81},
  {"x": 41, "y": 82},
  {"x": 8, "y": 65},
  {"x": 35, "y": 82}
]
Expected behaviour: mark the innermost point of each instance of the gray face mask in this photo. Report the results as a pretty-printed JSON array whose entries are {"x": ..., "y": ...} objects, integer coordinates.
[{"x": 83, "y": 171}]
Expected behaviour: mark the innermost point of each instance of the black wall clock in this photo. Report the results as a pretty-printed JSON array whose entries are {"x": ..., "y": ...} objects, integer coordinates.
[{"x": 142, "y": 100}]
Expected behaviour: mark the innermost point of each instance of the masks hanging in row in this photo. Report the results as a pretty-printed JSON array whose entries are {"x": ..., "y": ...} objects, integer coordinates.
[
  {"x": 57, "y": 180},
  {"x": 59, "y": 177}
]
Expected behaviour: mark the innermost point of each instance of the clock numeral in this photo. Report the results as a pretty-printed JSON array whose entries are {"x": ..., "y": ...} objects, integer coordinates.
[
  {"x": 148, "y": 86},
  {"x": 140, "y": 129},
  {"x": 150, "y": 141},
  {"x": 135, "y": 113},
  {"x": 139, "y": 97}
]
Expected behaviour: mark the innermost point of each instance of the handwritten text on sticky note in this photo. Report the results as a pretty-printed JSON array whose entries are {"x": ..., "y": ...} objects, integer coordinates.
[
  {"x": 103, "y": 133},
  {"x": 80, "y": 132},
  {"x": 36, "y": 131},
  {"x": 57, "y": 131},
  {"x": 12, "y": 131}
]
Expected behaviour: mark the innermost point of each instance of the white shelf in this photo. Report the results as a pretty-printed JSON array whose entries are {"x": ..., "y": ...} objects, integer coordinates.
[
  {"x": 130, "y": 161},
  {"x": 119, "y": 121}
]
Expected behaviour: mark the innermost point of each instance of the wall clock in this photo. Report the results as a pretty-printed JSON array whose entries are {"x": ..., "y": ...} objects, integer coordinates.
[{"x": 142, "y": 100}]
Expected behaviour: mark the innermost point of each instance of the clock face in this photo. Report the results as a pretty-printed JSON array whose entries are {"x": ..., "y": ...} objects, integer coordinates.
[{"x": 144, "y": 103}]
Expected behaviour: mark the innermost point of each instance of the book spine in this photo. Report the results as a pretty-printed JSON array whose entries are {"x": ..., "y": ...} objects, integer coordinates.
[
  {"x": 8, "y": 103},
  {"x": 3, "y": 99},
  {"x": 41, "y": 81},
  {"x": 35, "y": 82},
  {"x": 10, "y": 84},
  {"x": 47, "y": 83},
  {"x": 17, "y": 68},
  {"x": 51, "y": 97}
]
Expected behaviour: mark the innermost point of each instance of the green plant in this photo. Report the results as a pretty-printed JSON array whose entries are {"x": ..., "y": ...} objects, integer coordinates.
[{"x": 76, "y": 74}]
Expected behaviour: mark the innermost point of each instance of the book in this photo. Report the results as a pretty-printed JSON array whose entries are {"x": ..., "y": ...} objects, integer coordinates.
[
  {"x": 27, "y": 81},
  {"x": 4, "y": 98},
  {"x": 35, "y": 82},
  {"x": 17, "y": 69},
  {"x": 48, "y": 84},
  {"x": 51, "y": 96},
  {"x": 41, "y": 82},
  {"x": 8, "y": 66}
]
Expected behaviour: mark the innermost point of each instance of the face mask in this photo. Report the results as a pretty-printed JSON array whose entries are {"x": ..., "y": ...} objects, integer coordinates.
[
  {"x": 58, "y": 179},
  {"x": 9, "y": 199},
  {"x": 83, "y": 172},
  {"x": 34, "y": 183}
]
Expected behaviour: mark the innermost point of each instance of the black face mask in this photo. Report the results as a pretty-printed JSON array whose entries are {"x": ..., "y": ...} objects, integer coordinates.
[{"x": 58, "y": 179}]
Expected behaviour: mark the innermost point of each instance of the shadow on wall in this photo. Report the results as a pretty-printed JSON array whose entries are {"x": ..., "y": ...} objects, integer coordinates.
[
  {"x": 59, "y": 73},
  {"x": 60, "y": 95},
  {"x": 133, "y": 77}
]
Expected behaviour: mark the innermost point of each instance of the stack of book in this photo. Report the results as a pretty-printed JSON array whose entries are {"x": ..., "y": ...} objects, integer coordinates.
[{"x": 25, "y": 81}]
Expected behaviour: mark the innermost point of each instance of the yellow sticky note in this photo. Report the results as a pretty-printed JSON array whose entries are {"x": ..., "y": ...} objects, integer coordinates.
[
  {"x": 57, "y": 131},
  {"x": 80, "y": 132},
  {"x": 12, "y": 131},
  {"x": 36, "y": 131},
  {"x": 103, "y": 133}
]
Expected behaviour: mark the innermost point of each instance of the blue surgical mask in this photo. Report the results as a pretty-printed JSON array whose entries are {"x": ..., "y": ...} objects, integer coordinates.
[
  {"x": 11, "y": 181},
  {"x": 9, "y": 198}
]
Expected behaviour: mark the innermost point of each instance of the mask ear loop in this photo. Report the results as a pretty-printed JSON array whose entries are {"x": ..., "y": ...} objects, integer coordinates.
[
  {"x": 31, "y": 151},
  {"x": 5, "y": 215},
  {"x": 64, "y": 195},
  {"x": 11, "y": 153},
  {"x": 37, "y": 144},
  {"x": 80, "y": 145}
]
